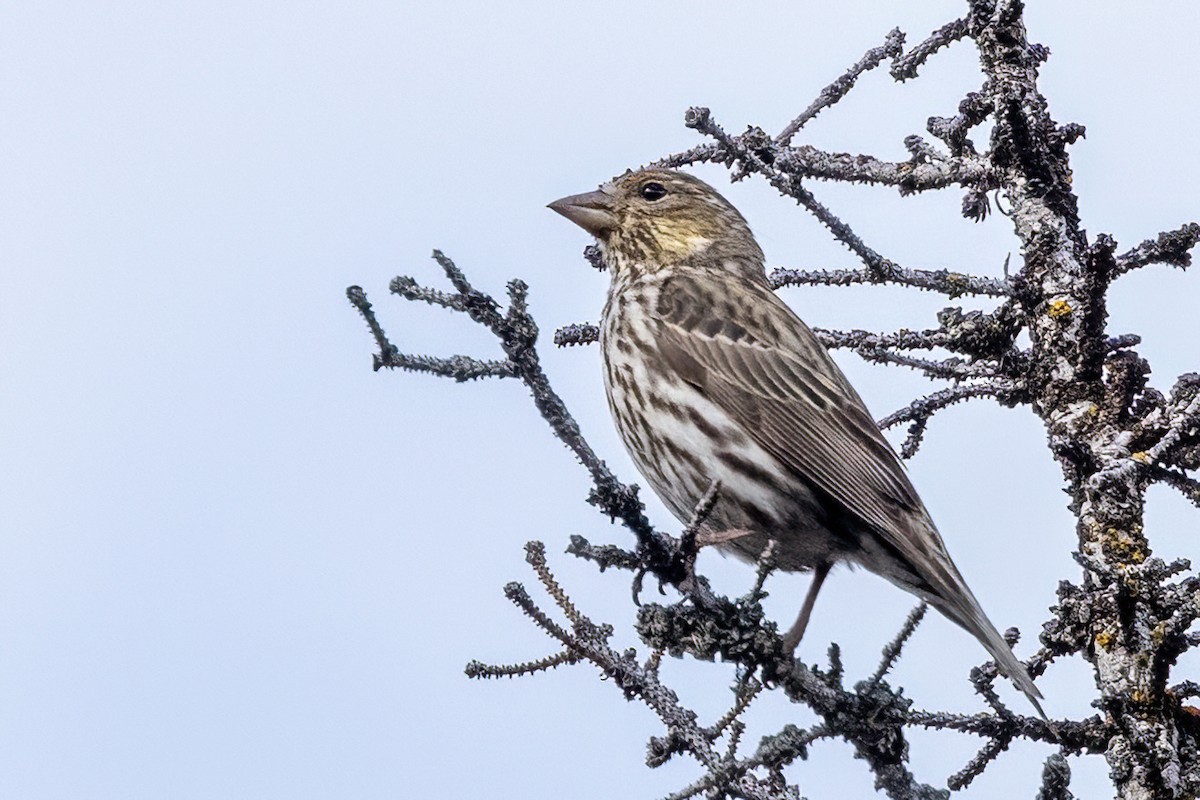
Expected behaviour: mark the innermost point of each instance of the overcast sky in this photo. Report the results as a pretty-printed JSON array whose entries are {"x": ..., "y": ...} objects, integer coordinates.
[{"x": 235, "y": 563}]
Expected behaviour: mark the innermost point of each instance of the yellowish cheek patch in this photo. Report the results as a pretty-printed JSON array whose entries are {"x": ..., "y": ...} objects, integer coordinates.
[
  {"x": 694, "y": 244},
  {"x": 682, "y": 242}
]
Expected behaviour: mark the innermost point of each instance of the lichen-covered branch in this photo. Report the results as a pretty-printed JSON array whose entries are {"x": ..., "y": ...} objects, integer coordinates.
[
  {"x": 952, "y": 284},
  {"x": 1056, "y": 779},
  {"x": 906, "y": 66},
  {"x": 577, "y": 333},
  {"x": 517, "y": 334},
  {"x": 1172, "y": 247}
]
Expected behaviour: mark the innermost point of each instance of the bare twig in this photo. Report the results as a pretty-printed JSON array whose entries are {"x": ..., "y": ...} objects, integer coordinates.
[
  {"x": 926, "y": 406},
  {"x": 477, "y": 669},
  {"x": 786, "y": 166},
  {"x": 1056, "y": 779},
  {"x": 831, "y": 94},
  {"x": 901, "y": 340},
  {"x": 576, "y": 333},
  {"x": 975, "y": 767},
  {"x": 906, "y": 66},
  {"x": 604, "y": 555},
  {"x": 704, "y": 507},
  {"x": 947, "y": 282},
  {"x": 950, "y": 368},
  {"x": 1187, "y": 486},
  {"x": 892, "y": 651}
]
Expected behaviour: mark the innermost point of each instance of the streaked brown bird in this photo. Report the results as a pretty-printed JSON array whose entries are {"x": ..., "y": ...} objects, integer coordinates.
[{"x": 711, "y": 377}]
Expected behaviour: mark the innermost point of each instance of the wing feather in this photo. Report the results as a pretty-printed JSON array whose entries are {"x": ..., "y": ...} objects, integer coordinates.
[
  {"x": 764, "y": 366},
  {"x": 799, "y": 406}
]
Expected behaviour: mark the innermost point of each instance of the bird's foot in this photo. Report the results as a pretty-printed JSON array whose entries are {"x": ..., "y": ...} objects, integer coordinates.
[
  {"x": 696, "y": 588},
  {"x": 692, "y": 585},
  {"x": 708, "y": 538}
]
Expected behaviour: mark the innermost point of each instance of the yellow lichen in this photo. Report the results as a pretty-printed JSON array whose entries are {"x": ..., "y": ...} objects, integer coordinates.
[
  {"x": 1059, "y": 308},
  {"x": 1141, "y": 456},
  {"x": 1123, "y": 546},
  {"x": 1104, "y": 640},
  {"x": 957, "y": 284}
]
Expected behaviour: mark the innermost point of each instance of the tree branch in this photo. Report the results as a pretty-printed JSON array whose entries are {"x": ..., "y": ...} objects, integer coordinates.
[
  {"x": 952, "y": 284},
  {"x": 905, "y": 67},
  {"x": 1173, "y": 247}
]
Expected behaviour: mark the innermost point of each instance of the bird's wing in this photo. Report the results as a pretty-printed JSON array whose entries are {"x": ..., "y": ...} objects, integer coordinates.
[{"x": 745, "y": 350}]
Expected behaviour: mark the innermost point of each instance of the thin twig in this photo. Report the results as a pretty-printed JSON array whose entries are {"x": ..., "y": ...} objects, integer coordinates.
[
  {"x": 892, "y": 651},
  {"x": 577, "y": 333},
  {"x": 1056, "y": 779},
  {"x": 831, "y": 94},
  {"x": 901, "y": 340},
  {"x": 745, "y": 696},
  {"x": 535, "y": 556},
  {"x": 1187, "y": 486},
  {"x": 953, "y": 284},
  {"x": 905, "y": 67},
  {"x": 929, "y": 404},
  {"x": 975, "y": 767},
  {"x": 704, "y": 507},
  {"x": 477, "y": 669}
]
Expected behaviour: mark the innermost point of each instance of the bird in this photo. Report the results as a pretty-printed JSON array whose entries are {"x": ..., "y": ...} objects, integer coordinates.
[{"x": 716, "y": 385}]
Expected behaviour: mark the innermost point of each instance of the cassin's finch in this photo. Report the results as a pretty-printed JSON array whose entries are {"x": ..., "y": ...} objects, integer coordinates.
[{"x": 711, "y": 377}]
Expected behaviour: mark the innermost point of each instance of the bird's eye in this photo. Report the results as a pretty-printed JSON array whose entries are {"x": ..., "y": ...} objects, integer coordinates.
[{"x": 654, "y": 191}]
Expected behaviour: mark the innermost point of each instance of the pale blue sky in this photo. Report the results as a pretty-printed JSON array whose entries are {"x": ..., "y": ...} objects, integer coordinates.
[{"x": 235, "y": 563}]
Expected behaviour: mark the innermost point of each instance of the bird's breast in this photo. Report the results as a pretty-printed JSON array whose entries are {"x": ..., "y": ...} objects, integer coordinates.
[{"x": 681, "y": 441}]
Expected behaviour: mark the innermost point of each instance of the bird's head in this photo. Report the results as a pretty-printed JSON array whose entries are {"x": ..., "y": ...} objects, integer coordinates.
[{"x": 655, "y": 218}]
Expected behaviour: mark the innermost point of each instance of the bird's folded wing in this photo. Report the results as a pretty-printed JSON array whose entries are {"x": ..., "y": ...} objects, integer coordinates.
[{"x": 762, "y": 365}]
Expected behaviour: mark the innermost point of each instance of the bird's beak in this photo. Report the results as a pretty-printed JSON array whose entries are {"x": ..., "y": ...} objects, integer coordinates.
[{"x": 592, "y": 211}]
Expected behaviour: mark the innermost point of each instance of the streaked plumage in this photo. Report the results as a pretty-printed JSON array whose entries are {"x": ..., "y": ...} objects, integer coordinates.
[{"x": 710, "y": 376}]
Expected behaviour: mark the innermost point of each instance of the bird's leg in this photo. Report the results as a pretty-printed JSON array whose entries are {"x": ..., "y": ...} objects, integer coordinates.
[{"x": 791, "y": 639}]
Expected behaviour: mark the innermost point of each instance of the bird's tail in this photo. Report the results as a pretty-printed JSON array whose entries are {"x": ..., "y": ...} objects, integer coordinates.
[{"x": 961, "y": 607}]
